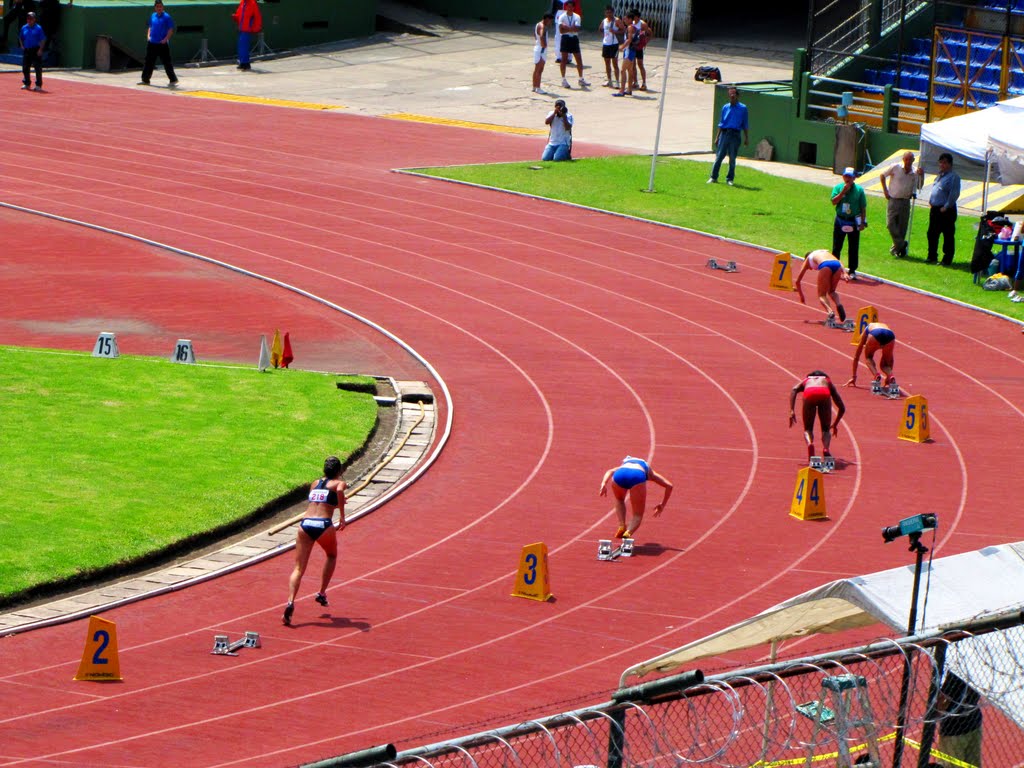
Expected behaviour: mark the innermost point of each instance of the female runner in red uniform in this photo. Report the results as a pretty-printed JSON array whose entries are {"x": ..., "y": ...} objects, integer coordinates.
[
  {"x": 819, "y": 394},
  {"x": 325, "y": 495}
]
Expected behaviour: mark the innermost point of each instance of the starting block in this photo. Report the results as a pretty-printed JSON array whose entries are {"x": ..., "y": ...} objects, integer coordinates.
[
  {"x": 725, "y": 266},
  {"x": 221, "y": 646},
  {"x": 606, "y": 552},
  {"x": 892, "y": 391},
  {"x": 846, "y": 325},
  {"x": 822, "y": 463}
]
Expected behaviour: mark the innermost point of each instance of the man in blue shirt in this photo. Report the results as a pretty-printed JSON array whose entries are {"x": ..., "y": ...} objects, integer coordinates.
[
  {"x": 942, "y": 216},
  {"x": 727, "y": 141},
  {"x": 32, "y": 40},
  {"x": 158, "y": 35}
]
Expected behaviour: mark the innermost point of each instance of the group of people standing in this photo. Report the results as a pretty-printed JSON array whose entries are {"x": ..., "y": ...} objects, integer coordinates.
[
  {"x": 626, "y": 36},
  {"x": 901, "y": 183}
]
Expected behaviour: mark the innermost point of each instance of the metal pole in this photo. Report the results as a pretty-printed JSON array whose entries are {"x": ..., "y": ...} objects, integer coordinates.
[
  {"x": 901, "y": 716},
  {"x": 664, "y": 91},
  {"x": 984, "y": 189}
]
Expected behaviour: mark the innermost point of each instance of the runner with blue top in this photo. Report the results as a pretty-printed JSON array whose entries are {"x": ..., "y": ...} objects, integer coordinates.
[{"x": 630, "y": 478}]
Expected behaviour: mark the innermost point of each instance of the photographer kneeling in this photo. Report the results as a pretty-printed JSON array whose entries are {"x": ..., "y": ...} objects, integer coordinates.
[{"x": 560, "y": 137}]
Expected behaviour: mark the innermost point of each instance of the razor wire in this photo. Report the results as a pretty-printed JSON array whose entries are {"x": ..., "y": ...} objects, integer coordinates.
[{"x": 778, "y": 714}]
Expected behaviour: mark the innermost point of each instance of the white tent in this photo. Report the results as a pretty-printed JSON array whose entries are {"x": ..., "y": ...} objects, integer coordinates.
[
  {"x": 976, "y": 584},
  {"x": 993, "y": 136},
  {"x": 973, "y": 585}
]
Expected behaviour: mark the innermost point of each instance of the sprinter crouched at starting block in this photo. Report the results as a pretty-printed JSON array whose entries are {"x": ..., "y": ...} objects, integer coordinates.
[
  {"x": 819, "y": 394},
  {"x": 630, "y": 478},
  {"x": 830, "y": 272},
  {"x": 876, "y": 337}
]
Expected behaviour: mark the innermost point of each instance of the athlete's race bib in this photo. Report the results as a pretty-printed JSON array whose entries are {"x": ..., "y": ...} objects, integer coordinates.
[{"x": 319, "y": 495}]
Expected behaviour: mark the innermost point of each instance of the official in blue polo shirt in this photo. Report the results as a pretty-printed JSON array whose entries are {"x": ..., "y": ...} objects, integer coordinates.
[
  {"x": 33, "y": 41},
  {"x": 158, "y": 36},
  {"x": 727, "y": 142}
]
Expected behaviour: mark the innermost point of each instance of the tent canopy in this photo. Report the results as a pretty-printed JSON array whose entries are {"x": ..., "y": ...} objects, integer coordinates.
[
  {"x": 970, "y": 138},
  {"x": 963, "y": 587}
]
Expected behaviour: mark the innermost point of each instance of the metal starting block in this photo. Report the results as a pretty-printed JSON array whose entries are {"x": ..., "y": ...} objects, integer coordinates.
[
  {"x": 823, "y": 463},
  {"x": 892, "y": 391},
  {"x": 606, "y": 552},
  {"x": 221, "y": 646},
  {"x": 846, "y": 325},
  {"x": 725, "y": 266}
]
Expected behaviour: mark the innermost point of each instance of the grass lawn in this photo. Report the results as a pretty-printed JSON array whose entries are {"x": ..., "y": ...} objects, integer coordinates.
[
  {"x": 772, "y": 211},
  {"x": 105, "y": 461}
]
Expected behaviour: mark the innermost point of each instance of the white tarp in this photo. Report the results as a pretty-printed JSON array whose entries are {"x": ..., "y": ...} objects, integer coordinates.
[
  {"x": 970, "y": 137},
  {"x": 954, "y": 590},
  {"x": 959, "y": 588}
]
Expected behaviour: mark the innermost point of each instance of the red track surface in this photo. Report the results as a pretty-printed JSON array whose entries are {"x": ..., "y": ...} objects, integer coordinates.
[{"x": 568, "y": 338}]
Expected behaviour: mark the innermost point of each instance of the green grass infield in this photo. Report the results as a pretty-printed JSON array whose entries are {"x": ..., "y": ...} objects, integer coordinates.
[
  {"x": 776, "y": 212},
  {"x": 109, "y": 461}
]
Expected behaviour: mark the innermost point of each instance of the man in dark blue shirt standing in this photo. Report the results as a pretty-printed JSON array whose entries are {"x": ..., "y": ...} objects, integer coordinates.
[
  {"x": 158, "y": 35},
  {"x": 32, "y": 40},
  {"x": 942, "y": 215},
  {"x": 727, "y": 142}
]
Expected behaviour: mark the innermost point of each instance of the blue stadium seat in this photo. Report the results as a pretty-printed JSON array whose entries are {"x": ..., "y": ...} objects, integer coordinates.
[{"x": 944, "y": 72}]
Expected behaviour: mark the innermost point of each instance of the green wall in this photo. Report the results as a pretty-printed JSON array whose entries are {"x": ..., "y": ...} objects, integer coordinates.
[
  {"x": 287, "y": 24},
  {"x": 775, "y": 115}
]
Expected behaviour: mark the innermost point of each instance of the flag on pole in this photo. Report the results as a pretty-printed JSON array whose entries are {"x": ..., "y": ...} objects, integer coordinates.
[
  {"x": 275, "y": 349},
  {"x": 286, "y": 356},
  {"x": 264, "y": 362}
]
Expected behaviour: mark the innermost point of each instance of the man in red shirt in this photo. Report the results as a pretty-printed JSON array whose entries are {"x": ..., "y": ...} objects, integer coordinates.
[{"x": 250, "y": 22}]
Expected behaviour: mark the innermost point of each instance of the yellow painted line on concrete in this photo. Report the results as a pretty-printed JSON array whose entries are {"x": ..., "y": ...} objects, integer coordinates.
[
  {"x": 467, "y": 124},
  {"x": 258, "y": 100}
]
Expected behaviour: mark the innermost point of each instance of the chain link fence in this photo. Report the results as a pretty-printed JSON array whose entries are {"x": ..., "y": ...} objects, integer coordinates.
[
  {"x": 954, "y": 699},
  {"x": 657, "y": 13}
]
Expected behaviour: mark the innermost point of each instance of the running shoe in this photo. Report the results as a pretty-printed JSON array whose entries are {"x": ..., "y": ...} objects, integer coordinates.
[
  {"x": 321, "y": 598},
  {"x": 286, "y": 619},
  {"x": 618, "y": 533}
]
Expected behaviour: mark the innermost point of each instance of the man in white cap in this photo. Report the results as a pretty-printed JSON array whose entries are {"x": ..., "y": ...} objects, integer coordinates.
[{"x": 851, "y": 206}]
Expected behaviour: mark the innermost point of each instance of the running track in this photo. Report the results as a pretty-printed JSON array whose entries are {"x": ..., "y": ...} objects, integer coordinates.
[{"x": 567, "y": 337}]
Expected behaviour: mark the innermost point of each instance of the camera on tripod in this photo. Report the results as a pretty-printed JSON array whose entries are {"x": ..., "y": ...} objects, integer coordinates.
[{"x": 909, "y": 526}]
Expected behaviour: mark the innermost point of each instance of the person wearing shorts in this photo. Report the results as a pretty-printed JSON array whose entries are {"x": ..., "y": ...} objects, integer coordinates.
[
  {"x": 317, "y": 527},
  {"x": 569, "y": 24},
  {"x": 876, "y": 336},
  {"x": 630, "y": 479},
  {"x": 540, "y": 49},
  {"x": 818, "y": 395},
  {"x": 830, "y": 272},
  {"x": 612, "y": 30}
]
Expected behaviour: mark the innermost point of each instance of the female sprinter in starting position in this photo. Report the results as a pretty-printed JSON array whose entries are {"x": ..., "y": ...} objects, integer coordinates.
[
  {"x": 876, "y": 336},
  {"x": 830, "y": 272},
  {"x": 325, "y": 495},
  {"x": 819, "y": 393},
  {"x": 631, "y": 478}
]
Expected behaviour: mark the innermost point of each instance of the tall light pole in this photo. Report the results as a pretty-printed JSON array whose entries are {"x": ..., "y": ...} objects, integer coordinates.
[{"x": 664, "y": 91}]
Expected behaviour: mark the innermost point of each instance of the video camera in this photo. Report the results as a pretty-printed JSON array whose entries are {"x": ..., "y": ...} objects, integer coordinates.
[{"x": 909, "y": 526}]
